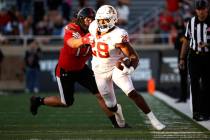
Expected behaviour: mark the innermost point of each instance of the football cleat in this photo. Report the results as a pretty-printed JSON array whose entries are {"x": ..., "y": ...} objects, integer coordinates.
[
  {"x": 119, "y": 116},
  {"x": 155, "y": 122},
  {"x": 157, "y": 125},
  {"x": 125, "y": 126},
  {"x": 34, "y": 104}
]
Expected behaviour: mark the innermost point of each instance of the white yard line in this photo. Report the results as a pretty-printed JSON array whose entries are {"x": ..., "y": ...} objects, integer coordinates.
[{"x": 181, "y": 107}]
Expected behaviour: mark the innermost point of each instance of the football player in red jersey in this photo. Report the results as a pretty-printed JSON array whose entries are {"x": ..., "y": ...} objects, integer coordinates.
[{"x": 72, "y": 68}]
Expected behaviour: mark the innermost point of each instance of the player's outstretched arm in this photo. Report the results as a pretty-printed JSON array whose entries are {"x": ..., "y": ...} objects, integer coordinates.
[{"x": 76, "y": 42}]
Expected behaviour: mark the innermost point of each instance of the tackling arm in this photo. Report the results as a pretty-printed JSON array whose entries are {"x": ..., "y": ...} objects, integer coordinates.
[{"x": 76, "y": 41}]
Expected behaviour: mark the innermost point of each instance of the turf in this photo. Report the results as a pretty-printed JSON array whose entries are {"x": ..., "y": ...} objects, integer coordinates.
[{"x": 85, "y": 120}]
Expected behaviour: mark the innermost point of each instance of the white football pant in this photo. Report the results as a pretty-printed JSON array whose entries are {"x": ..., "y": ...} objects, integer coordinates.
[{"x": 105, "y": 85}]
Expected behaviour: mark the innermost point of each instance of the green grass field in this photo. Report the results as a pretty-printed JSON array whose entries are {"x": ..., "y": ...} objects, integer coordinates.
[{"x": 85, "y": 120}]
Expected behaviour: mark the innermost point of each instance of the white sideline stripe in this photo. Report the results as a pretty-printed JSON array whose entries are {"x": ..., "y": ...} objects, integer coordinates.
[
  {"x": 61, "y": 90},
  {"x": 181, "y": 107},
  {"x": 178, "y": 132},
  {"x": 153, "y": 132}
]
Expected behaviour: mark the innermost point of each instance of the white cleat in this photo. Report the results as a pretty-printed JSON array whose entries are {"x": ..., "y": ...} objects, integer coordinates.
[
  {"x": 157, "y": 125},
  {"x": 155, "y": 122},
  {"x": 119, "y": 116}
]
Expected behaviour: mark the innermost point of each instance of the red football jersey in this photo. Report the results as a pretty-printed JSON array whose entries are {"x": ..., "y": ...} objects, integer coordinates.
[{"x": 73, "y": 59}]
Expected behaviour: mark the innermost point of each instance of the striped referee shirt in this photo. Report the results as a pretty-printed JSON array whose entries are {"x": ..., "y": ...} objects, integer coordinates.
[{"x": 198, "y": 32}]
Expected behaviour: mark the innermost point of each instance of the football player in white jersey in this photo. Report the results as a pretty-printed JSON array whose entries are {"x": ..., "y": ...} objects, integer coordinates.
[{"x": 110, "y": 44}]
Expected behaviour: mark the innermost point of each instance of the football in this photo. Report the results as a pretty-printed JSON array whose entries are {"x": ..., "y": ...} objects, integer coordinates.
[{"x": 125, "y": 61}]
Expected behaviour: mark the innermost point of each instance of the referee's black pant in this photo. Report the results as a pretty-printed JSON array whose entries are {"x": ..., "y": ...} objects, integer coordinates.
[{"x": 199, "y": 71}]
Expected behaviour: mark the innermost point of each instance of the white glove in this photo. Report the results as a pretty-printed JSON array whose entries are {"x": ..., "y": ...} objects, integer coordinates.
[{"x": 126, "y": 70}]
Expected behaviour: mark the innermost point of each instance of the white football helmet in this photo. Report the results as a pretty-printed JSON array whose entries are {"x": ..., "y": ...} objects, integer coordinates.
[{"x": 106, "y": 12}]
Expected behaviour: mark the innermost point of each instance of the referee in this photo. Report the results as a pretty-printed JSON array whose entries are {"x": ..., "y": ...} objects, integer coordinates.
[{"x": 197, "y": 46}]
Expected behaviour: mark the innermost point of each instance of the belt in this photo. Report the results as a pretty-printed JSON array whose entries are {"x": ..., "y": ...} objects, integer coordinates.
[{"x": 198, "y": 52}]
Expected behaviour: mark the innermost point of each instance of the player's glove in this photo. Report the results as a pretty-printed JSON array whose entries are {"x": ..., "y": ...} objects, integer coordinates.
[
  {"x": 76, "y": 35},
  {"x": 88, "y": 39},
  {"x": 126, "y": 70}
]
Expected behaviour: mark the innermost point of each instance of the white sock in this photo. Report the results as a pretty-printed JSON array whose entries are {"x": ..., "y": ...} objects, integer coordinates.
[{"x": 151, "y": 116}]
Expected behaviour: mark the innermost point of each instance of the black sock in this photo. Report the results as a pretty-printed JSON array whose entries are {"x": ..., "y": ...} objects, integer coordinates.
[{"x": 113, "y": 120}]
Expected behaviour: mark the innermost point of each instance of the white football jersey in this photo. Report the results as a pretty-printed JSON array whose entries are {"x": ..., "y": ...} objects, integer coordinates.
[{"x": 105, "y": 54}]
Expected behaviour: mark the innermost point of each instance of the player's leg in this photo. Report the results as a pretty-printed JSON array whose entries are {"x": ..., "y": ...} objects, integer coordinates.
[
  {"x": 66, "y": 99},
  {"x": 87, "y": 75},
  {"x": 141, "y": 103},
  {"x": 105, "y": 86},
  {"x": 36, "y": 102},
  {"x": 110, "y": 114},
  {"x": 116, "y": 117},
  {"x": 125, "y": 83}
]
